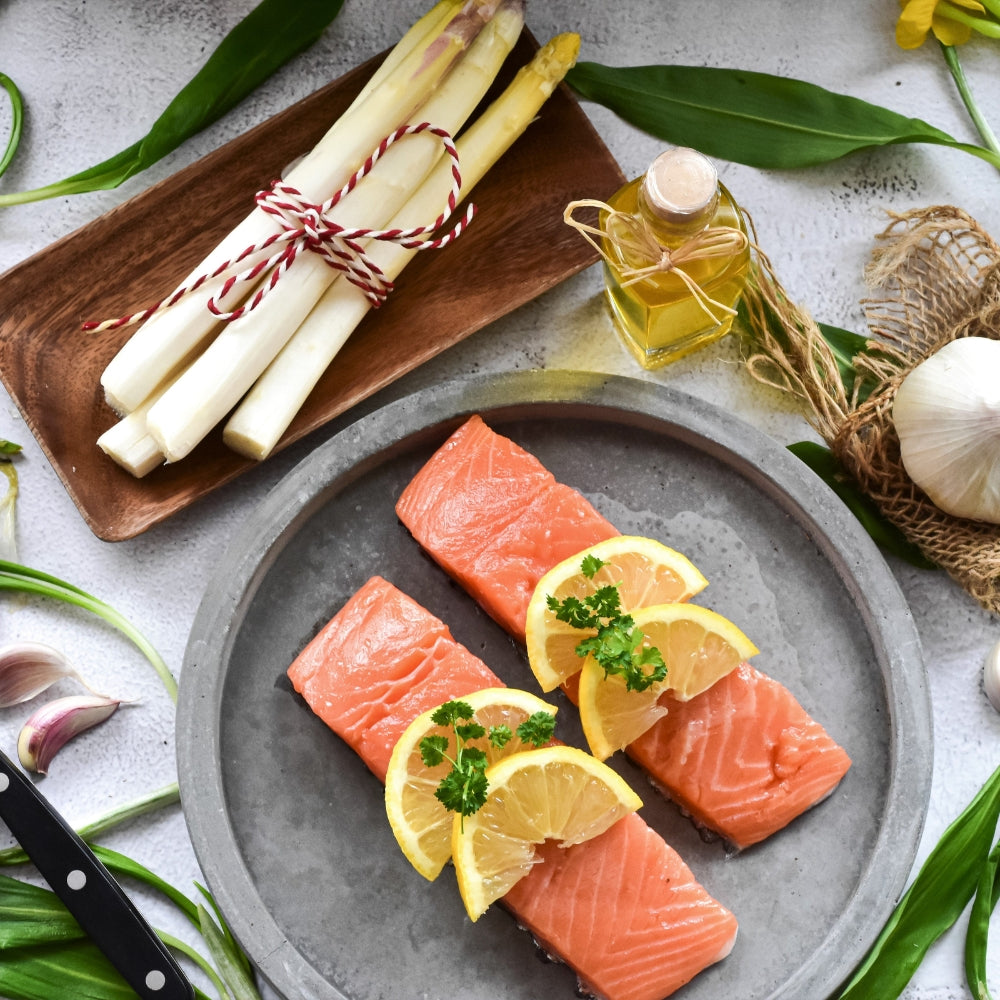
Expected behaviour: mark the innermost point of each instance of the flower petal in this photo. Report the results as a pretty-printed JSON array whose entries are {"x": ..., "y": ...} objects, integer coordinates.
[
  {"x": 914, "y": 22},
  {"x": 949, "y": 32}
]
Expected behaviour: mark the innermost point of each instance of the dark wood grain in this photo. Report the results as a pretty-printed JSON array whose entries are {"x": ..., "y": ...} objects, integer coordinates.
[{"x": 517, "y": 248}]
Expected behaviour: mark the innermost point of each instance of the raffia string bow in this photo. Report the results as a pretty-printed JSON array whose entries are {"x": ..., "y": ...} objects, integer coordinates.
[
  {"x": 634, "y": 240},
  {"x": 305, "y": 226}
]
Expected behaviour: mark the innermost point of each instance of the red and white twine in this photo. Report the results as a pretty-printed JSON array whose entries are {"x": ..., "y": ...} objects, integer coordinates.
[{"x": 306, "y": 226}]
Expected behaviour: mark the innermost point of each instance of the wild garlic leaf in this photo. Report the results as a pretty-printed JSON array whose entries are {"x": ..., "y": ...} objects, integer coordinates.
[
  {"x": 76, "y": 969},
  {"x": 32, "y": 915},
  {"x": 934, "y": 901},
  {"x": 757, "y": 119},
  {"x": 270, "y": 35},
  {"x": 977, "y": 935},
  {"x": 883, "y": 532}
]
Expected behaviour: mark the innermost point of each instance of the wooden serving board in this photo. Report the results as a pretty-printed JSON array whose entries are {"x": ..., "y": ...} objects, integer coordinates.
[{"x": 515, "y": 249}]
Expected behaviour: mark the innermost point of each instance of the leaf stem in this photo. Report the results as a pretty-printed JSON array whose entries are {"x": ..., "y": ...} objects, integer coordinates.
[
  {"x": 958, "y": 75},
  {"x": 983, "y": 25},
  {"x": 14, "y": 576},
  {"x": 162, "y": 797},
  {"x": 195, "y": 956},
  {"x": 17, "y": 108}
]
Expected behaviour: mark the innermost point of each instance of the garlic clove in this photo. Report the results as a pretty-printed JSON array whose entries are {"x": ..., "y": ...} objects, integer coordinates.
[
  {"x": 29, "y": 668},
  {"x": 55, "y": 724},
  {"x": 947, "y": 415},
  {"x": 991, "y": 676}
]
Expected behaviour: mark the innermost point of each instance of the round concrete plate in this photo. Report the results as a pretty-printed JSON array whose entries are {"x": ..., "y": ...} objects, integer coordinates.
[{"x": 289, "y": 826}]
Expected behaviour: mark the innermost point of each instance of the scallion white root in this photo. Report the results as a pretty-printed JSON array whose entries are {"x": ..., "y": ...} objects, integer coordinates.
[
  {"x": 161, "y": 344},
  {"x": 215, "y": 382},
  {"x": 269, "y": 407}
]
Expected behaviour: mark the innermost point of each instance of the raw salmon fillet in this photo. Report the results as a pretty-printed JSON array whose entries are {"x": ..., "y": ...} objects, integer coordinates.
[
  {"x": 743, "y": 758},
  {"x": 496, "y": 519},
  {"x": 776, "y": 761},
  {"x": 622, "y": 910},
  {"x": 381, "y": 661},
  {"x": 557, "y": 900}
]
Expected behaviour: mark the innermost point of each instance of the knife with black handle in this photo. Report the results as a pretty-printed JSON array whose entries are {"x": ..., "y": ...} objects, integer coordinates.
[{"x": 88, "y": 890}]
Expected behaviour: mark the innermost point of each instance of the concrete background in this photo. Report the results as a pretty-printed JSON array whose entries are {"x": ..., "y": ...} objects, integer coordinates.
[{"x": 95, "y": 73}]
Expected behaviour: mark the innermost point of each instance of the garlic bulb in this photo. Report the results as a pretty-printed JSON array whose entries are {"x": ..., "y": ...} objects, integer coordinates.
[{"x": 947, "y": 416}]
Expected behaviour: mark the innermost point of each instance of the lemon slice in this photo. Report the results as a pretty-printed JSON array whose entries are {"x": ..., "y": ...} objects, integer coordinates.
[
  {"x": 420, "y": 822},
  {"x": 698, "y": 647},
  {"x": 558, "y": 792},
  {"x": 646, "y": 573}
]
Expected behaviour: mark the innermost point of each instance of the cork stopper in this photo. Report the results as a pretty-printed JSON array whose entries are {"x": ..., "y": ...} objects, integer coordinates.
[{"x": 681, "y": 188}]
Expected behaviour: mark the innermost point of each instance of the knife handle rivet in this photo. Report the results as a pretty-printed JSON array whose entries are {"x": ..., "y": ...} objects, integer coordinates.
[
  {"x": 76, "y": 879},
  {"x": 155, "y": 980},
  {"x": 4, "y": 782}
]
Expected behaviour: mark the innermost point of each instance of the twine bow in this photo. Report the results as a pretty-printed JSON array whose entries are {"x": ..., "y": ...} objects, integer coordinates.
[
  {"x": 634, "y": 239},
  {"x": 307, "y": 226}
]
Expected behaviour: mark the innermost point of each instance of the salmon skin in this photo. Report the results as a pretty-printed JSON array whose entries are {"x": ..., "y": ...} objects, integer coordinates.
[
  {"x": 622, "y": 910},
  {"x": 494, "y": 518},
  {"x": 784, "y": 767}
]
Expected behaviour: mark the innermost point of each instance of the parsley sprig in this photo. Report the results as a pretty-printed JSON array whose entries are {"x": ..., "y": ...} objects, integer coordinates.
[
  {"x": 617, "y": 645},
  {"x": 463, "y": 789}
]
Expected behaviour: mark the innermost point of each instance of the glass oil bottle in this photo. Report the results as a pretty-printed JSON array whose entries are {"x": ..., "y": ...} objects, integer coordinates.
[{"x": 659, "y": 317}]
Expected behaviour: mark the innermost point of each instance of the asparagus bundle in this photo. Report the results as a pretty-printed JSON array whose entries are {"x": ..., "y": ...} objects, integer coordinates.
[
  {"x": 183, "y": 371},
  {"x": 169, "y": 338}
]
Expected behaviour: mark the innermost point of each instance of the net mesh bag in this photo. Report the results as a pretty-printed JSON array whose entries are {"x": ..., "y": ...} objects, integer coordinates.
[{"x": 935, "y": 277}]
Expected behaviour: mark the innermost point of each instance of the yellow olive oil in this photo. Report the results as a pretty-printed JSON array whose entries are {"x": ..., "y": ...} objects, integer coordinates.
[{"x": 658, "y": 317}]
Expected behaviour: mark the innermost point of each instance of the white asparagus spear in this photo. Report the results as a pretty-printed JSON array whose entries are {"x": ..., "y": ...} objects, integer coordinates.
[
  {"x": 161, "y": 344},
  {"x": 268, "y": 409},
  {"x": 418, "y": 35},
  {"x": 216, "y": 380},
  {"x": 129, "y": 442}
]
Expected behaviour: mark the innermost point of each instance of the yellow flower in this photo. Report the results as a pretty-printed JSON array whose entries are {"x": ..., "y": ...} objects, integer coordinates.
[{"x": 921, "y": 16}]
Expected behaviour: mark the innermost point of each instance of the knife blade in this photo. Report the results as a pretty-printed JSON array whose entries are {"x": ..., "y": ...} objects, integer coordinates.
[{"x": 89, "y": 891}]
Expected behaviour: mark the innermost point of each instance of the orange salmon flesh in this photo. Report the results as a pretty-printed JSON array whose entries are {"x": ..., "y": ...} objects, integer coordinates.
[
  {"x": 497, "y": 520},
  {"x": 622, "y": 910}
]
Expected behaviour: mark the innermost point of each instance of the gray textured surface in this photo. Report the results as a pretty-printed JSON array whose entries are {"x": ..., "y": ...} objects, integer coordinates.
[{"x": 95, "y": 74}]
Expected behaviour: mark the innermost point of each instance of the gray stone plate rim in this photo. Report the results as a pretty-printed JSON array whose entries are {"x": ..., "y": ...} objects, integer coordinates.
[{"x": 284, "y": 823}]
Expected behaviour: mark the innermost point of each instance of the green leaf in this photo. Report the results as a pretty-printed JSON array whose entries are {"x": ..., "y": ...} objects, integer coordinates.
[
  {"x": 432, "y": 749},
  {"x": 537, "y": 729},
  {"x": 147, "y": 803},
  {"x": 977, "y": 935},
  {"x": 75, "y": 969},
  {"x": 933, "y": 902},
  {"x": 17, "y": 111},
  {"x": 261, "y": 43},
  {"x": 119, "y": 864},
  {"x": 846, "y": 346},
  {"x": 824, "y": 463},
  {"x": 234, "y": 948},
  {"x": 32, "y": 915},
  {"x": 25, "y": 579},
  {"x": 757, "y": 119},
  {"x": 232, "y": 970},
  {"x": 500, "y": 736}
]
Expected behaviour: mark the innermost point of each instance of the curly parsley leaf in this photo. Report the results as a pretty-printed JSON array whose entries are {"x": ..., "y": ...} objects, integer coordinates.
[
  {"x": 617, "y": 644},
  {"x": 463, "y": 789}
]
